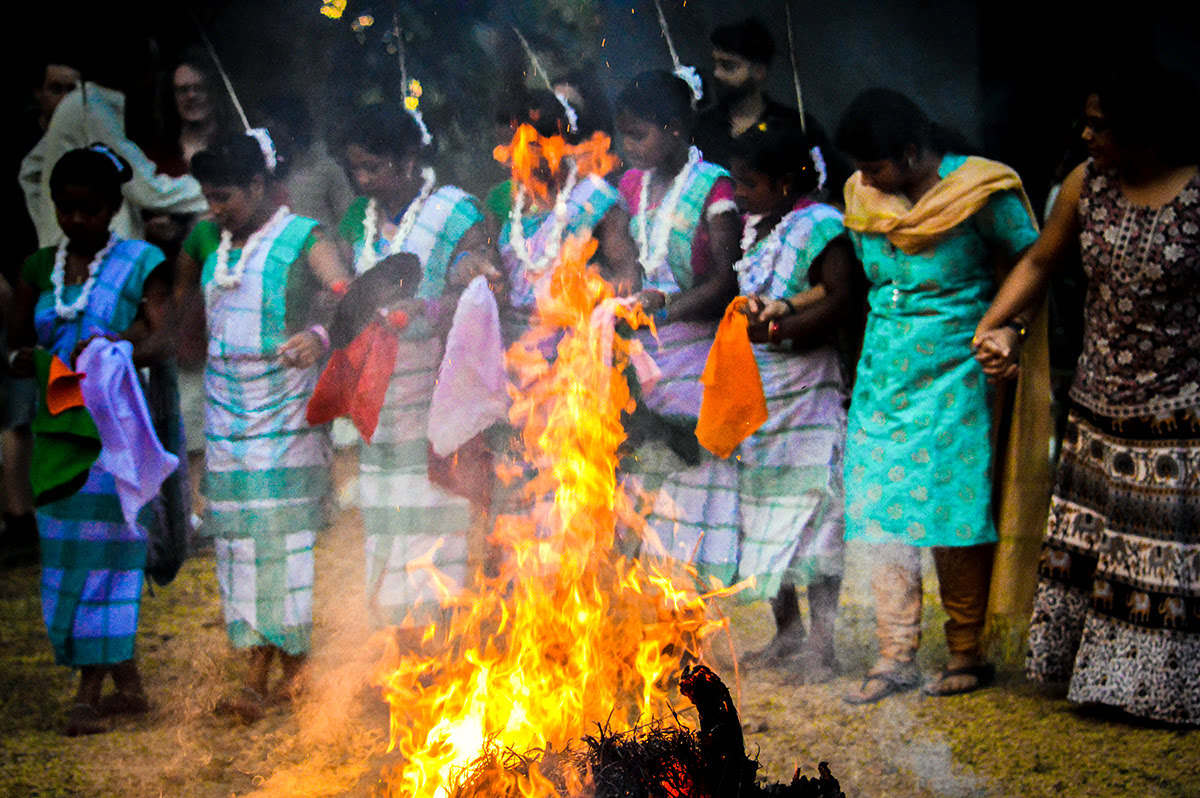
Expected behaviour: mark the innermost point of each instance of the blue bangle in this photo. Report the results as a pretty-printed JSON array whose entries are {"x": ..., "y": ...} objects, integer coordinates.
[{"x": 660, "y": 315}]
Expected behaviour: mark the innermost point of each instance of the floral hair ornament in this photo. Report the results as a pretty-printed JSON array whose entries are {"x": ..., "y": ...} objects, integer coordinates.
[
  {"x": 260, "y": 135},
  {"x": 687, "y": 74},
  {"x": 818, "y": 159},
  {"x": 412, "y": 101}
]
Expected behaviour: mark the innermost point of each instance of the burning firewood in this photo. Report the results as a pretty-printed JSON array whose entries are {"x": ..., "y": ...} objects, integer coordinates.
[{"x": 656, "y": 760}]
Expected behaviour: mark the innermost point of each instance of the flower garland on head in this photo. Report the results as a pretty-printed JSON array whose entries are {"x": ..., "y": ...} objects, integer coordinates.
[
  {"x": 367, "y": 258},
  {"x": 653, "y": 252},
  {"x": 58, "y": 278},
  {"x": 223, "y": 275},
  {"x": 555, "y": 236}
]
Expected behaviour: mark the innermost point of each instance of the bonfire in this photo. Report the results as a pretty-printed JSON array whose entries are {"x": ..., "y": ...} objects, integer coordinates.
[{"x": 557, "y": 675}]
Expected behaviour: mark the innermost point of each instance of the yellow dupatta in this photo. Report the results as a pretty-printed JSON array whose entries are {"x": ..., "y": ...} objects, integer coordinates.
[{"x": 1023, "y": 470}]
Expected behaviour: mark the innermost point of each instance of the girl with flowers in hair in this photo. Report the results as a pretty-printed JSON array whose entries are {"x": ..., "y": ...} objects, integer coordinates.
[
  {"x": 406, "y": 516},
  {"x": 801, "y": 275},
  {"x": 263, "y": 272},
  {"x": 686, "y": 226},
  {"x": 93, "y": 284}
]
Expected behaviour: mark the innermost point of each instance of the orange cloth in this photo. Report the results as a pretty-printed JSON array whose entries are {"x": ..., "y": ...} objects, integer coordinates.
[
  {"x": 734, "y": 405},
  {"x": 355, "y": 381},
  {"x": 913, "y": 228},
  {"x": 62, "y": 389}
]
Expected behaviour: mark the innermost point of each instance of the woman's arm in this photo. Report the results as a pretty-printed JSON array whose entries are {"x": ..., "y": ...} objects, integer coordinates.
[
  {"x": 825, "y": 307},
  {"x": 325, "y": 263},
  {"x": 997, "y": 339},
  {"x": 1027, "y": 281},
  {"x": 152, "y": 332},
  {"x": 619, "y": 251},
  {"x": 707, "y": 299}
]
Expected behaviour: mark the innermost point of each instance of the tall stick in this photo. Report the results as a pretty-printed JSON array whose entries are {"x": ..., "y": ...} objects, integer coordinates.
[
  {"x": 533, "y": 59},
  {"x": 787, "y": 8},
  {"x": 400, "y": 49},
  {"x": 212, "y": 53},
  {"x": 666, "y": 32}
]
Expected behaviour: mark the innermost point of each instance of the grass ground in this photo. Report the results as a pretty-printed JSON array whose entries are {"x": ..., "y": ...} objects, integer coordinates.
[{"x": 1007, "y": 741}]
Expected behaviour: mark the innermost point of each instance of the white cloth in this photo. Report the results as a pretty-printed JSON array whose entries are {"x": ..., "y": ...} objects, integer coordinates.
[
  {"x": 471, "y": 392},
  {"x": 131, "y": 450},
  {"x": 88, "y": 115}
]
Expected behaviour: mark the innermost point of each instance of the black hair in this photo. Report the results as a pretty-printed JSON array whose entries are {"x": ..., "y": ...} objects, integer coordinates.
[
  {"x": 596, "y": 113},
  {"x": 749, "y": 39},
  {"x": 1147, "y": 106},
  {"x": 881, "y": 124},
  {"x": 779, "y": 152},
  {"x": 386, "y": 129},
  {"x": 543, "y": 110},
  {"x": 234, "y": 159},
  {"x": 96, "y": 167},
  {"x": 660, "y": 97}
]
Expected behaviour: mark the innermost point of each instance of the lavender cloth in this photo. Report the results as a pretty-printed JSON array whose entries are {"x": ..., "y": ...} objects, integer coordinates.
[
  {"x": 471, "y": 392},
  {"x": 132, "y": 452}
]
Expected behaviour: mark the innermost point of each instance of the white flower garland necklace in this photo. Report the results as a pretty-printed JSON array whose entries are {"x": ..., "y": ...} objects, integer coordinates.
[
  {"x": 652, "y": 251},
  {"x": 554, "y": 243},
  {"x": 58, "y": 276},
  {"x": 367, "y": 258},
  {"x": 223, "y": 275},
  {"x": 759, "y": 267}
]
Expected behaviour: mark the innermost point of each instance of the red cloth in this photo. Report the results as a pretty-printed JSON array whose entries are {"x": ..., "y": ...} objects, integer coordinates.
[{"x": 354, "y": 383}]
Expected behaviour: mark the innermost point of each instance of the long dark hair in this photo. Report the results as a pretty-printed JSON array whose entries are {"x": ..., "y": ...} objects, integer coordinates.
[
  {"x": 779, "y": 152},
  {"x": 1149, "y": 107},
  {"x": 387, "y": 130},
  {"x": 881, "y": 124},
  {"x": 96, "y": 167},
  {"x": 234, "y": 159},
  {"x": 660, "y": 97}
]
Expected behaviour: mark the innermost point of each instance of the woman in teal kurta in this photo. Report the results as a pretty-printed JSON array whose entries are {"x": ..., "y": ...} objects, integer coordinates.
[{"x": 928, "y": 226}]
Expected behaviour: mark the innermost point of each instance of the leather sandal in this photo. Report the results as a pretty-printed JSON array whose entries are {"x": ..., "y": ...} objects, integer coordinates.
[
  {"x": 982, "y": 675},
  {"x": 890, "y": 683}
]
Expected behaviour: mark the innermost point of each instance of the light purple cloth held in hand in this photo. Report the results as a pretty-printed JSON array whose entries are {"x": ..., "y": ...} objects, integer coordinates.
[{"x": 132, "y": 452}]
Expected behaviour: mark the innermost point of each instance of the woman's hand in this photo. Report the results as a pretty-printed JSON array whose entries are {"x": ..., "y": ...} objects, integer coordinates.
[
  {"x": 652, "y": 300},
  {"x": 999, "y": 352},
  {"x": 302, "y": 350},
  {"x": 83, "y": 344},
  {"x": 470, "y": 264}
]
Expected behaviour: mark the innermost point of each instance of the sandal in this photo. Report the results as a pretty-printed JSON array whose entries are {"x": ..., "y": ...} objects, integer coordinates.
[
  {"x": 890, "y": 683},
  {"x": 982, "y": 675},
  {"x": 246, "y": 704},
  {"x": 84, "y": 719},
  {"x": 123, "y": 703}
]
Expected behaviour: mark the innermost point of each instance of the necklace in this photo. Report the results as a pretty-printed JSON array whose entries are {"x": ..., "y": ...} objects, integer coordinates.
[
  {"x": 555, "y": 236},
  {"x": 652, "y": 249},
  {"x": 227, "y": 278},
  {"x": 750, "y": 231},
  {"x": 367, "y": 258},
  {"x": 58, "y": 276},
  {"x": 758, "y": 264}
]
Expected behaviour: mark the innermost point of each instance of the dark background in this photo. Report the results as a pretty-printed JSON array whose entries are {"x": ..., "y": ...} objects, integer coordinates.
[{"x": 1009, "y": 75}]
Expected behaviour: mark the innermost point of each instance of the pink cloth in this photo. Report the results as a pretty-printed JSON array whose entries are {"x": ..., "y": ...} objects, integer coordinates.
[
  {"x": 604, "y": 324},
  {"x": 471, "y": 392},
  {"x": 132, "y": 452}
]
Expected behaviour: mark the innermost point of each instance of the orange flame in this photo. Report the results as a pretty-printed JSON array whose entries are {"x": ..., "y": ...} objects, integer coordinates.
[
  {"x": 536, "y": 160},
  {"x": 568, "y": 634}
]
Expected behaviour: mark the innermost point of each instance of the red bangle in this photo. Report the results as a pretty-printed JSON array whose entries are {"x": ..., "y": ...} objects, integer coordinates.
[
  {"x": 398, "y": 319},
  {"x": 340, "y": 287}
]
